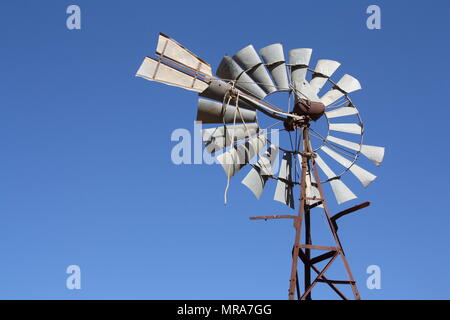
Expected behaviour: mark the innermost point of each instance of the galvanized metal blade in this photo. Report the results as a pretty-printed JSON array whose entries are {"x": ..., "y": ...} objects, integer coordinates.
[
  {"x": 155, "y": 70},
  {"x": 257, "y": 177},
  {"x": 299, "y": 61},
  {"x": 215, "y": 112},
  {"x": 233, "y": 160},
  {"x": 341, "y": 192},
  {"x": 324, "y": 70},
  {"x": 373, "y": 153},
  {"x": 220, "y": 137},
  {"x": 267, "y": 160},
  {"x": 346, "y": 127},
  {"x": 284, "y": 188},
  {"x": 345, "y": 85},
  {"x": 219, "y": 90},
  {"x": 311, "y": 189},
  {"x": 169, "y": 48},
  {"x": 341, "y": 112},
  {"x": 363, "y": 175},
  {"x": 255, "y": 182},
  {"x": 273, "y": 57},
  {"x": 230, "y": 70},
  {"x": 348, "y": 84},
  {"x": 250, "y": 61},
  {"x": 304, "y": 91}
]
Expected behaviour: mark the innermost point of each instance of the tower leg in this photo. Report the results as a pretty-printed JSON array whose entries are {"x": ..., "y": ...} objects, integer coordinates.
[
  {"x": 293, "y": 283},
  {"x": 307, "y": 252},
  {"x": 335, "y": 235},
  {"x": 332, "y": 252}
]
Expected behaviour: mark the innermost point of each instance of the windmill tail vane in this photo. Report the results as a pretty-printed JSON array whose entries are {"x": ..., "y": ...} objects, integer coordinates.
[{"x": 231, "y": 102}]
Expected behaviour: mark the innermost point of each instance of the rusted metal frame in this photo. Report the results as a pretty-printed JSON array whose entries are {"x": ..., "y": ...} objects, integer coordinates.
[
  {"x": 298, "y": 223},
  {"x": 324, "y": 256},
  {"x": 281, "y": 179},
  {"x": 350, "y": 276},
  {"x": 305, "y": 294},
  {"x": 318, "y": 203},
  {"x": 350, "y": 210},
  {"x": 335, "y": 235},
  {"x": 308, "y": 241},
  {"x": 297, "y": 284},
  {"x": 336, "y": 281},
  {"x": 302, "y": 256},
  {"x": 316, "y": 247},
  {"x": 347, "y": 211},
  {"x": 314, "y": 198},
  {"x": 335, "y": 289},
  {"x": 331, "y": 285},
  {"x": 281, "y": 216}
]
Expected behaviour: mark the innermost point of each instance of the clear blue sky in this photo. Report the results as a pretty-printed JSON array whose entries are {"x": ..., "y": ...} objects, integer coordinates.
[{"x": 86, "y": 176}]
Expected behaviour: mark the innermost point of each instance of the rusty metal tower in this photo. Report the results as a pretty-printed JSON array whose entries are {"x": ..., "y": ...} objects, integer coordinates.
[{"x": 231, "y": 102}]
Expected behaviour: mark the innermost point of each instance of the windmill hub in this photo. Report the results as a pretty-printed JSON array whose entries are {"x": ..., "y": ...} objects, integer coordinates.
[
  {"x": 313, "y": 110},
  {"x": 310, "y": 110}
]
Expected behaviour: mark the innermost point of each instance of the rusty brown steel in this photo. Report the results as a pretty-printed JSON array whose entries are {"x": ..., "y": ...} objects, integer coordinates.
[
  {"x": 307, "y": 266},
  {"x": 316, "y": 247},
  {"x": 303, "y": 216},
  {"x": 347, "y": 211},
  {"x": 281, "y": 216},
  {"x": 308, "y": 290},
  {"x": 322, "y": 257},
  {"x": 298, "y": 221},
  {"x": 335, "y": 289},
  {"x": 335, "y": 235}
]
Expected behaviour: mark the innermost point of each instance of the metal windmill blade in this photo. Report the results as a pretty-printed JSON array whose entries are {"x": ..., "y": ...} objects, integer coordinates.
[
  {"x": 234, "y": 159},
  {"x": 215, "y": 112},
  {"x": 229, "y": 69},
  {"x": 373, "y": 153},
  {"x": 323, "y": 71},
  {"x": 347, "y": 84},
  {"x": 284, "y": 190},
  {"x": 217, "y": 138},
  {"x": 299, "y": 61},
  {"x": 256, "y": 179},
  {"x": 233, "y": 101},
  {"x": 273, "y": 57},
  {"x": 252, "y": 64}
]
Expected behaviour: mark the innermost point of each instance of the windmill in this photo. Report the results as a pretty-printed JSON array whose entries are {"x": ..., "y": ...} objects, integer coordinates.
[{"x": 232, "y": 100}]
